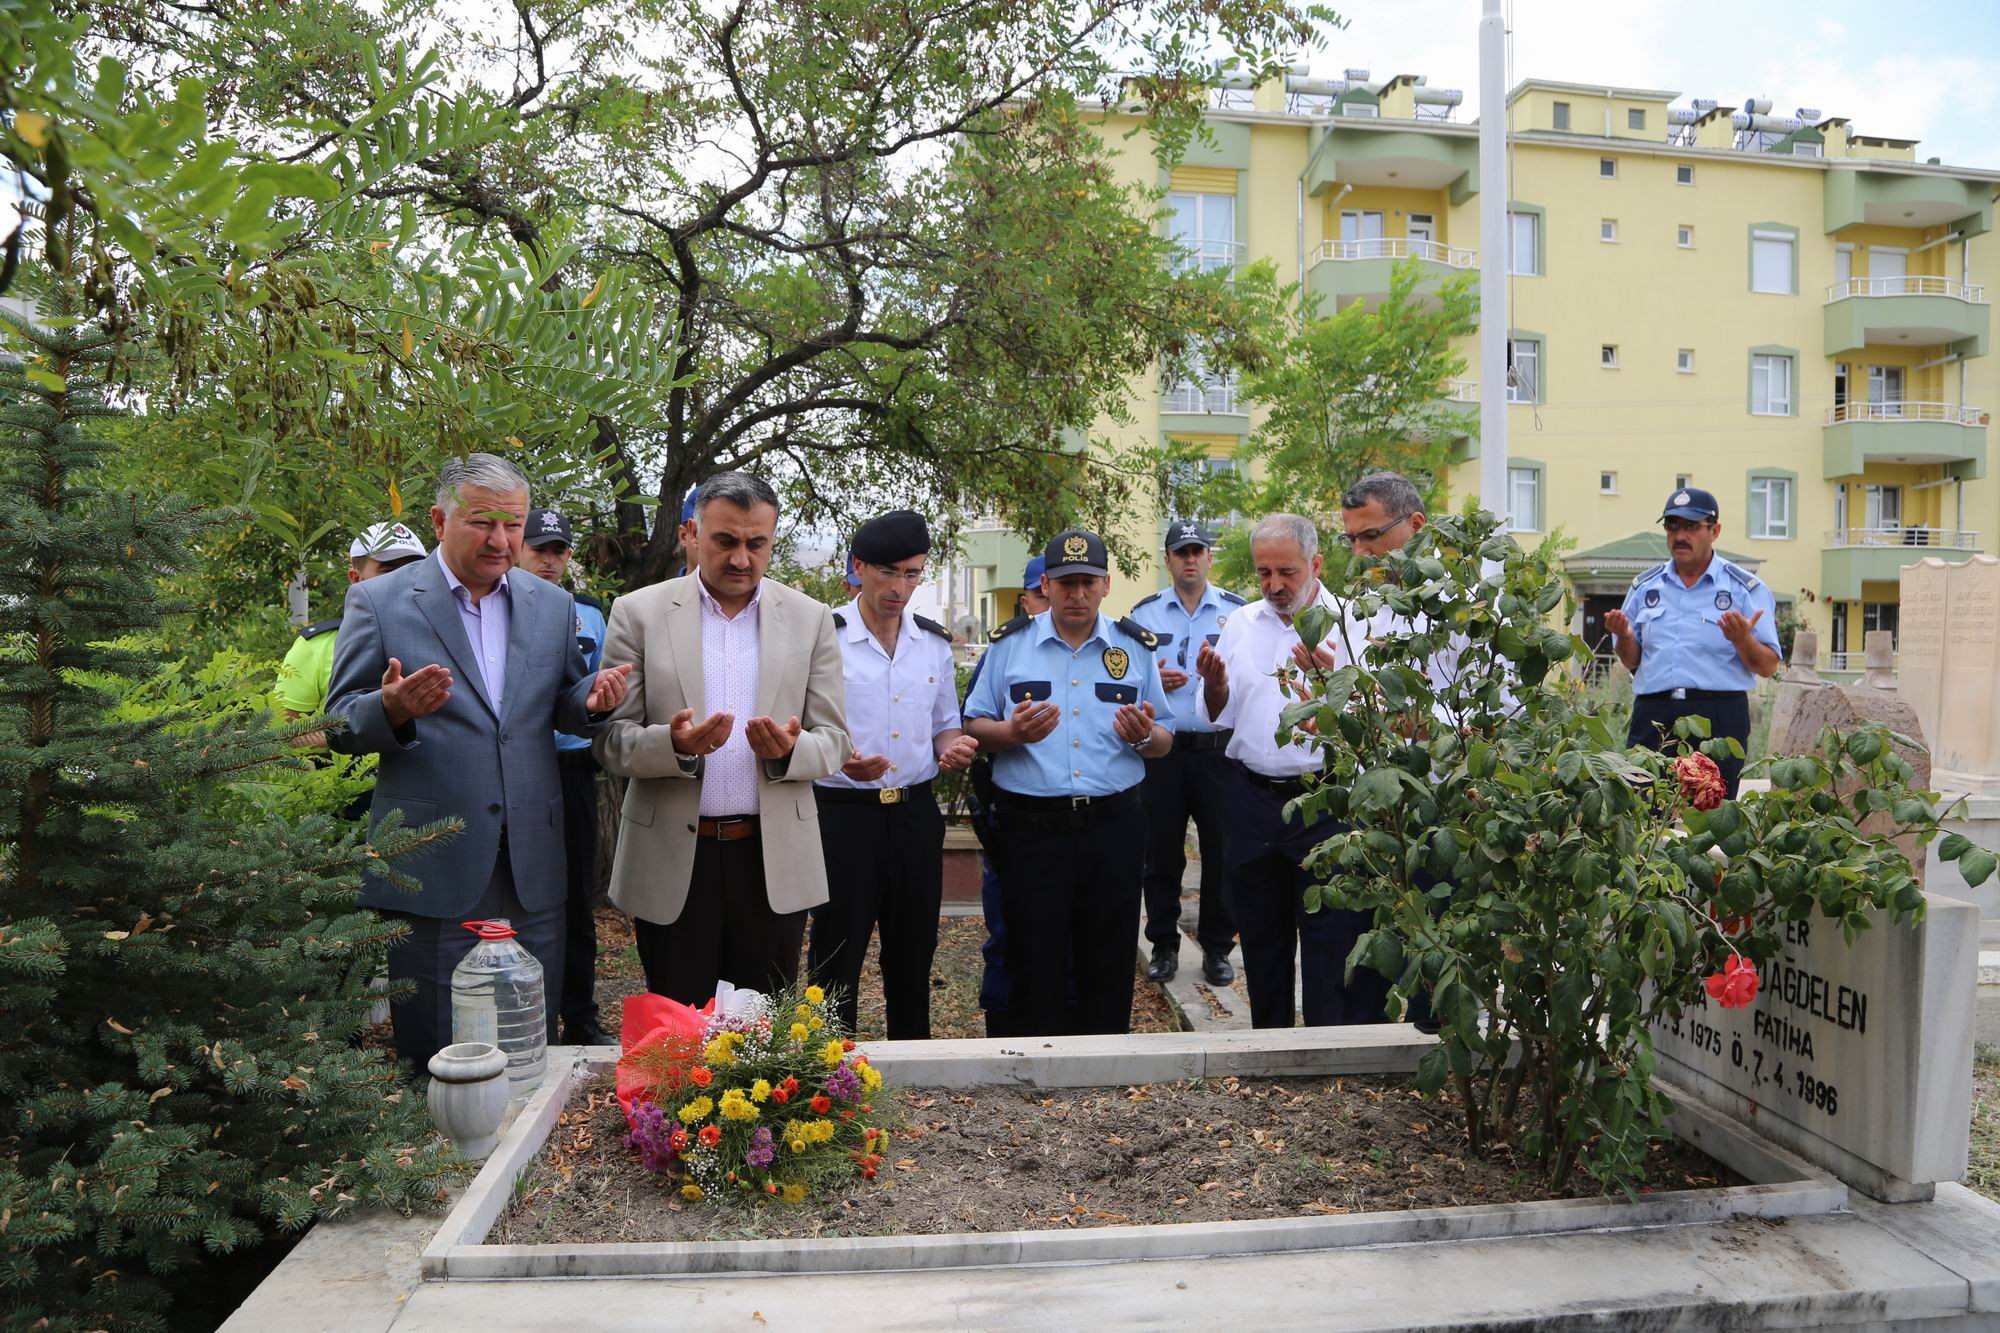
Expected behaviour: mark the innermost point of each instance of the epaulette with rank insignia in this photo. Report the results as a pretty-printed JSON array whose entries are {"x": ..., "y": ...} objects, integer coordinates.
[
  {"x": 319, "y": 627},
  {"x": 1231, "y": 598},
  {"x": 1001, "y": 631},
  {"x": 1146, "y": 601},
  {"x": 1139, "y": 632},
  {"x": 586, "y": 599},
  {"x": 1741, "y": 575},
  {"x": 925, "y": 622},
  {"x": 1652, "y": 573}
]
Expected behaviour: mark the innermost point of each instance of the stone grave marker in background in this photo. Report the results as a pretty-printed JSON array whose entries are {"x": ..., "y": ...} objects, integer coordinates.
[
  {"x": 1948, "y": 670},
  {"x": 1801, "y": 677}
]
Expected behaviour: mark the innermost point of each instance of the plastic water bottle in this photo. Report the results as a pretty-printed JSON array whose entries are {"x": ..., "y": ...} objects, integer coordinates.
[{"x": 497, "y": 998}]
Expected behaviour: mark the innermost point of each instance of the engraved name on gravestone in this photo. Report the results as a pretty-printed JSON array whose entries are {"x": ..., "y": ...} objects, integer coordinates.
[
  {"x": 1964, "y": 753},
  {"x": 1920, "y": 641},
  {"x": 1858, "y": 1058}
]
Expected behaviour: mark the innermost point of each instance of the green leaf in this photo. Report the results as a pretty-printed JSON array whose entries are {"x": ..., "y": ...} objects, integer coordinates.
[
  {"x": 1375, "y": 791},
  {"x": 1953, "y": 846},
  {"x": 1314, "y": 624},
  {"x": 1976, "y": 866}
]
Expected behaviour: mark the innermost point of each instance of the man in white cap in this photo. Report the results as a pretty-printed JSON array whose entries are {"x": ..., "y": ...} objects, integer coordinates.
[{"x": 308, "y": 666}]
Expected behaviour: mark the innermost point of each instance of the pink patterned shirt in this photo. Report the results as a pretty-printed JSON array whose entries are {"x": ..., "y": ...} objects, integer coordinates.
[{"x": 730, "y": 648}]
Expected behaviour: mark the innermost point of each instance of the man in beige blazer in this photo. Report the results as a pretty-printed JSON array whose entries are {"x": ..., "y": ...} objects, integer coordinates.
[{"x": 719, "y": 854}]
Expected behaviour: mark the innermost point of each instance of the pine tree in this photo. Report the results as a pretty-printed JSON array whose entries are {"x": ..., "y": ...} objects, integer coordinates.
[{"x": 181, "y": 984}]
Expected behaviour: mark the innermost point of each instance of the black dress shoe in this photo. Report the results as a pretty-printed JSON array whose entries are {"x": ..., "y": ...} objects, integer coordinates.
[
  {"x": 1216, "y": 967},
  {"x": 587, "y": 1033},
  {"x": 1166, "y": 962}
]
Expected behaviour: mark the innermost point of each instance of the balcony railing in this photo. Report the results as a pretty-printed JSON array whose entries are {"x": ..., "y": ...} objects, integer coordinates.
[
  {"x": 1211, "y": 256},
  {"x": 1461, "y": 391},
  {"x": 1957, "y": 414},
  {"x": 1185, "y": 397},
  {"x": 1397, "y": 247},
  {"x": 1852, "y": 661},
  {"x": 1947, "y": 539},
  {"x": 1913, "y": 284}
]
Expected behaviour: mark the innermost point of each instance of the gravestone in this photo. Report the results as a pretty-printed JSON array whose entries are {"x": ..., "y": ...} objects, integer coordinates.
[
  {"x": 1878, "y": 662},
  {"x": 1857, "y": 1057},
  {"x": 1920, "y": 632},
  {"x": 1800, "y": 678},
  {"x": 1949, "y": 672}
]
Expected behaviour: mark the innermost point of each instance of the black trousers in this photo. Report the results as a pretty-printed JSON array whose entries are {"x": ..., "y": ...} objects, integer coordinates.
[
  {"x": 884, "y": 867},
  {"x": 436, "y": 945},
  {"x": 1180, "y": 785},
  {"x": 1728, "y": 714},
  {"x": 1267, "y": 896},
  {"x": 1069, "y": 887},
  {"x": 726, "y": 931},
  {"x": 579, "y": 792}
]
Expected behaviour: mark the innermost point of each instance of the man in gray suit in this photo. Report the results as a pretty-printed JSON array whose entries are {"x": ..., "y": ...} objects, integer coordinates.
[{"x": 485, "y": 752}]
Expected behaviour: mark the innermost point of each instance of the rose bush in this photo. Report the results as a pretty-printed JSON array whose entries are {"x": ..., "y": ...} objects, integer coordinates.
[{"x": 1553, "y": 892}]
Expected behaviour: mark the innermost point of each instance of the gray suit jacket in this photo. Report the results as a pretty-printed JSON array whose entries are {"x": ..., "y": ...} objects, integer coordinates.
[
  {"x": 488, "y": 767},
  {"x": 658, "y": 631}
]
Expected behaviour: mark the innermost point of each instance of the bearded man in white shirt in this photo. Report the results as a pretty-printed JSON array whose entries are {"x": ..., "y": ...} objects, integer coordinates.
[{"x": 1267, "y": 883}]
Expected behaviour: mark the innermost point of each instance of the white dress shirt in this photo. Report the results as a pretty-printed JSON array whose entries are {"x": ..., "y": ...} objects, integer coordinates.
[
  {"x": 730, "y": 647},
  {"x": 895, "y": 705},
  {"x": 1441, "y": 667},
  {"x": 1254, "y": 644}
]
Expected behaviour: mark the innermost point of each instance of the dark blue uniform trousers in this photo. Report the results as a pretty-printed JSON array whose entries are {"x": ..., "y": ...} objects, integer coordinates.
[
  {"x": 1727, "y": 711},
  {"x": 1267, "y": 898}
]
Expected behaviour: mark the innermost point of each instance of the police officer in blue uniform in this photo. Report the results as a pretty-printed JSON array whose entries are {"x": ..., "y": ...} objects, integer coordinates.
[
  {"x": 1070, "y": 706},
  {"x": 1695, "y": 633},
  {"x": 1190, "y": 779}
]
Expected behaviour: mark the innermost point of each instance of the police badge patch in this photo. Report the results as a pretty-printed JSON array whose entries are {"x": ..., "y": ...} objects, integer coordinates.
[
  {"x": 1723, "y": 601},
  {"x": 1117, "y": 661},
  {"x": 1075, "y": 548},
  {"x": 1652, "y": 597}
]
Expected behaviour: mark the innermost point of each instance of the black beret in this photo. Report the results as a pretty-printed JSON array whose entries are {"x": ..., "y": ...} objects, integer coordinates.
[{"x": 892, "y": 537}]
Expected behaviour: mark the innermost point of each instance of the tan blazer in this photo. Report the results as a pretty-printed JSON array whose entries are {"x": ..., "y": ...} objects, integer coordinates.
[{"x": 658, "y": 630}]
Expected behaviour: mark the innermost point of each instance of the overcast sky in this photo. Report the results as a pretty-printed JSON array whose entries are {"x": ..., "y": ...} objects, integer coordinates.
[{"x": 1918, "y": 69}]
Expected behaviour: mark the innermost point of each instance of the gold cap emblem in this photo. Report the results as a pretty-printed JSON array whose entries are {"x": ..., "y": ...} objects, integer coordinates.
[
  {"x": 1075, "y": 548},
  {"x": 1117, "y": 661}
]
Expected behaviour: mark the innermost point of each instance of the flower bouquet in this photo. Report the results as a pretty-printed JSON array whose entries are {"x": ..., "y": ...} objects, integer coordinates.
[{"x": 766, "y": 1098}]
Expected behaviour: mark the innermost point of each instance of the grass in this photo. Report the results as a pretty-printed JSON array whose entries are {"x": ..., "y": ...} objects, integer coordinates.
[{"x": 1982, "y": 1171}]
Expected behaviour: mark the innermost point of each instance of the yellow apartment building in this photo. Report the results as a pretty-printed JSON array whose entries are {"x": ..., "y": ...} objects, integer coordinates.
[{"x": 1776, "y": 308}]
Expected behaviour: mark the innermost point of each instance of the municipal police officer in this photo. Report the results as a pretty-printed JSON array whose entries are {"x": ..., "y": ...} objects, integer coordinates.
[
  {"x": 1189, "y": 780},
  {"x": 879, "y": 823},
  {"x": 1070, "y": 705},
  {"x": 1695, "y": 633},
  {"x": 545, "y": 552},
  {"x": 994, "y": 992}
]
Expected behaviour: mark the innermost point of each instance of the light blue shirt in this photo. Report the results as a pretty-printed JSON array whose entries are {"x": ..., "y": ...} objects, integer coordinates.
[
  {"x": 1681, "y": 644},
  {"x": 486, "y": 624},
  {"x": 589, "y": 638},
  {"x": 1181, "y": 636},
  {"x": 1083, "y": 756}
]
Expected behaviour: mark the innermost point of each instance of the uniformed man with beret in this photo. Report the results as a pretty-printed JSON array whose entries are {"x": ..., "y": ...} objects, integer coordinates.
[
  {"x": 1190, "y": 780},
  {"x": 1071, "y": 705},
  {"x": 1696, "y": 633},
  {"x": 878, "y": 819}
]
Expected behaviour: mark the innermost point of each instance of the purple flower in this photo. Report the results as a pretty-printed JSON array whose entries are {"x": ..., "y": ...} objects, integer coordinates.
[
  {"x": 761, "y": 1149},
  {"x": 843, "y": 1084},
  {"x": 649, "y": 1135}
]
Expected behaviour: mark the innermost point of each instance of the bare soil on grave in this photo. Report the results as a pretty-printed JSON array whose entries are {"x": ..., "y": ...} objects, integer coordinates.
[{"x": 1014, "y": 1159}]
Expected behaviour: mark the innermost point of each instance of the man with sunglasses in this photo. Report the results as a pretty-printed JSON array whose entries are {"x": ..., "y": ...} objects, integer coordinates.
[
  {"x": 878, "y": 819},
  {"x": 1189, "y": 780},
  {"x": 1696, "y": 633}
]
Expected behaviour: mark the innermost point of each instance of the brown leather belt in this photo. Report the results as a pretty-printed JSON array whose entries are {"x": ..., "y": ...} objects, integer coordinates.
[{"x": 729, "y": 828}]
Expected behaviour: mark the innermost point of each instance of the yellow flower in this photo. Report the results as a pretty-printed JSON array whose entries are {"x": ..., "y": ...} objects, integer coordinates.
[
  {"x": 870, "y": 1079},
  {"x": 794, "y": 1194},
  {"x": 697, "y": 1109},
  {"x": 815, "y": 1022},
  {"x": 823, "y": 1130},
  {"x": 690, "y": 1191},
  {"x": 814, "y": 995},
  {"x": 803, "y": 1011},
  {"x": 720, "y": 1050},
  {"x": 799, "y": 1033},
  {"x": 761, "y": 1089},
  {"x": 831, "y": 1054},
  {"x": 735, "y": 1106}
]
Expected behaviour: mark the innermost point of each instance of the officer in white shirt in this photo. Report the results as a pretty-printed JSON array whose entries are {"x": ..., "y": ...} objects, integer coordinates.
[
  {"x": 1266, "y": 852},
  {"x": 879, "y": 822}
]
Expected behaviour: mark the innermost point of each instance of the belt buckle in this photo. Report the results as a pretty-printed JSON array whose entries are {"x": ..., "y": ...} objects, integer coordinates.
[
  {"x": 1680, "y": 693},
  {"x": 889, "y": 795},
  {"x": 1079, "y": 802}
]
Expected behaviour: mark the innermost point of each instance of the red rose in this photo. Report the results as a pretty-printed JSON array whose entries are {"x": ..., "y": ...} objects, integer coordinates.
[
  {"x": 821, "y": 1105},
  {"x": 1735, "y": 986},
  {"x": 701, "y": 1077},
  {"x": 710, "y": 1135},
  {"x": 847, "y": 1043},
  {"x": 868, "y": 1173},
  {"x": 1700, "y": 779},
  {"x": 780, "y": 1095},
  {"x": 678, "y": 1140},
  {"x": 770, "y": 1187},
  {"x": 791, "y": 1084}
]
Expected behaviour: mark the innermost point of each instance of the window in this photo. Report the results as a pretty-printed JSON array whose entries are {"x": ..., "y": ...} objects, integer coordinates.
[
  {"x": 1524, "y": 498},
  {"x": 1607, "y": 483},
  {"x": 1771, "y": 508},
  {"x": 1772, "y": 262},
  {"x": 1524, "y": 243},
  {"x": 1205, "y": 225},
  {"x": 1805, "y": 150},
  {"x": 1420, "y": 228},
  {"x": 1878, "y": 615},
  {"x": 1607, "y": 230},
  {"x": 1361, "y": 233},
  {"x": 1770, "y": 386},
  {"x": 1562, "y": 115},
  {"x": 1607, "y": 356},
  {"x": 1840, "y": 390},
  {"x": 1883, "y": 508},
  {"x": 1843, "y": 264},
  {"x": 1607, "y": 168},
  {"x": 1635, "y": 118},
  {"x": 1524, "y": 364},
  {"x": 1365, "y": 110},
  {"x": 1207, "y": 392},
  {"x": 1683, "y": 173},
  {"x": 1885, "y": 391},
  {"x": 1683, "y": 480},
  {"x": 1684, "y": 237},
  {"x": 1684, "y": 360}
]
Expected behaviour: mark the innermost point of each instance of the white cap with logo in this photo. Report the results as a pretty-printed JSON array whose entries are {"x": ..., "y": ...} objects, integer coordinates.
[{"x": 386, "y": 542}]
